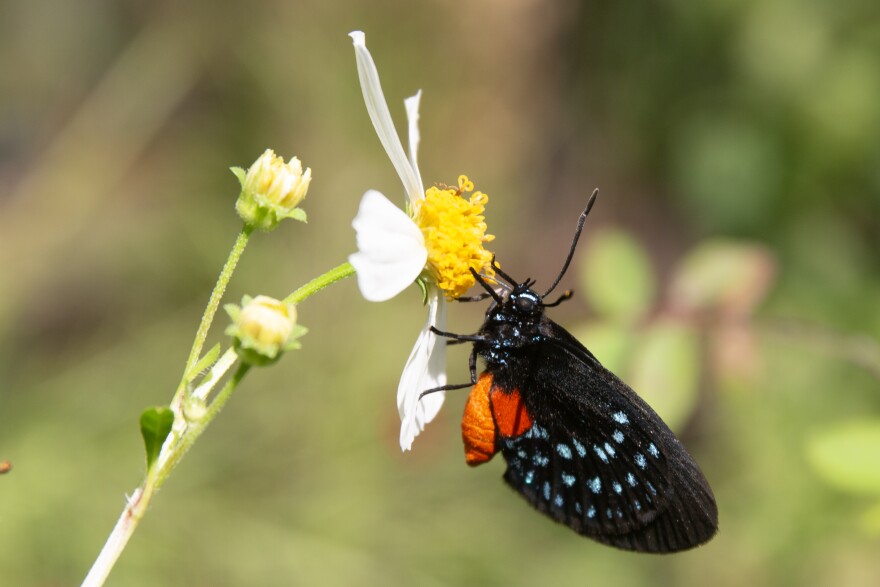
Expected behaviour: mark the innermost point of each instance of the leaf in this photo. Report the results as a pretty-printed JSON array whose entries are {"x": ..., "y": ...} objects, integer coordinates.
[
  {"x": 617, "y": 276},
  {"x": 155, "y": 427},
  {"x": 665, "y": 370},
  {"x": 205, "y": 362},
  {"x": 870, "y": 520},
  {"x": 722, "y": 274},
  {"x": 847, "y": 456}
]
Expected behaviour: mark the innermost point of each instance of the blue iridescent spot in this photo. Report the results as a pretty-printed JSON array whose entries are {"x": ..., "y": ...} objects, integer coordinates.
[
  {"x": 609, "y": 514},
  {"x": 581, "y": 450},
  {"x": 631, "y": 479},
  {"x": 618, "y": 436},
  {"x": 539, "y": 432},
  {"x": 637, "y": 505},
  {"x": 600, "y": 453},
  {"x": 530, "y": 476},
  {"x": 568, "y": 479},
  {"x": 640, "y": 460},
  {"x": 540, "y": 460},
  {"x": 563, "y": 451},
  {"x": 591, "y": 513},
  {"x": 521, "y": 453},
  {"x": 609, "y": 449},
  {"x": 558, "y": 501},
  {"x": 618, "y": 488},
  {"x": 547, "y": 490},
  {"x": 653, "y": 450},
  {"x": 508, "y": 443},
  {"x": 619, "y": 513},
  {"x": 651, "y": 488},
  {"x": 515, "y": 463},
  {"x": 577, "y": 507},
  {"x": 620, "y": 418},
  {"x": 596, "y": 485}
]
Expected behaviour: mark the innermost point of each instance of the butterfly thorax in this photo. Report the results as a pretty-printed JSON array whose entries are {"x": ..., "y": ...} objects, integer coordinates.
[{"x": 512, "y": 328}]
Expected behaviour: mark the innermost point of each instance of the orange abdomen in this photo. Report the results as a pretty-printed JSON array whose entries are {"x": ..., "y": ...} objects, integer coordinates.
[
  {"x": 477, "y": 424},
  {"x": 491, "y": 411}
]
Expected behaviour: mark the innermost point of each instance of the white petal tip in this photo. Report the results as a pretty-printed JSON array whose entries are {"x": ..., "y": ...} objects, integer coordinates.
[
  {"x": 358, "y": 38},
  {"x": 414, "y": 98}
]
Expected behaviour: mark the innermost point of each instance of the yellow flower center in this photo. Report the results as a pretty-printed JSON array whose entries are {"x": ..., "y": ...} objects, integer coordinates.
[{"x": 454, "y": 231}]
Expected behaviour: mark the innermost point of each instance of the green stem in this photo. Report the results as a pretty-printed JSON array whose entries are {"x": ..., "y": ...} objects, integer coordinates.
[
  {"x": 137, "y": 505},
  {"x": 317, "y": 284},
  {"x": 174, "y": 450},
  {"x": 216, "y": 295},
  {"x": 195, "y": 429}
]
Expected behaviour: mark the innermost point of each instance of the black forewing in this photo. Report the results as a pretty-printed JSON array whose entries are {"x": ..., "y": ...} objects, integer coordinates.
[{"x": 598, "y": 458}]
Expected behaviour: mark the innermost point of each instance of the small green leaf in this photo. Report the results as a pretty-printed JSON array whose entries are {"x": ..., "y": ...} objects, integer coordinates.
[
  {"x": 205, "y": 362},
  {"x": 870, "y": 520},
  {"x": 665, "y": 370},
  {"x": 155, "y": 427},
  {"x": 617, "y": 276},
  {"x": 847, "y": 456},
  {"x": 722, "y": 274}
]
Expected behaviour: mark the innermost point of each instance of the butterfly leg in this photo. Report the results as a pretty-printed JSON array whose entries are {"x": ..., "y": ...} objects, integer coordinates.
[{"x": 473, "y": 368}]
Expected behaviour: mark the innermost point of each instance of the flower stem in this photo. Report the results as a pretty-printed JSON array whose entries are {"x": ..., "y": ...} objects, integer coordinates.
[
  {"x": 317, "y": 284},
  {"x": 137, "y": 505},
  {"x": 181, "y": 439},
  {"x": 216, "y": 295}
]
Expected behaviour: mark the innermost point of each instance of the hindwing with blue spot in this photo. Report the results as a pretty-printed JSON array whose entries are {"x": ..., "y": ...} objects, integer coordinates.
[{"x": 598, "y": 459}]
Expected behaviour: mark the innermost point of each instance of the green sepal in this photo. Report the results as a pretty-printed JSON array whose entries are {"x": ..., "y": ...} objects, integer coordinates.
[
  {"x": 156, "y": 425},
  {"x": 240, "y": 173},
  {"x": 260, "y": 213},
  {"x": 423, "y": 285}
]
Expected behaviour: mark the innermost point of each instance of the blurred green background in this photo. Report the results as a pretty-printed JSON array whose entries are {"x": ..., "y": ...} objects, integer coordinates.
[{"x": 730, "y": 273}]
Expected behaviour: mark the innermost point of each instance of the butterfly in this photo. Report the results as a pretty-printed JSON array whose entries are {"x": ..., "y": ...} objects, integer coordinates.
[{"x": 580, "y": 445}]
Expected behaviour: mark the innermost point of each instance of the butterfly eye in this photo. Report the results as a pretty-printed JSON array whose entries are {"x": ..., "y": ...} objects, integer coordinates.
[{"x": 525, "y": 303}]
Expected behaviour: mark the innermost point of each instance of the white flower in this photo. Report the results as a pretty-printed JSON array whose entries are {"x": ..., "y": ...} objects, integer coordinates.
[{"x": 440, "y": 239}]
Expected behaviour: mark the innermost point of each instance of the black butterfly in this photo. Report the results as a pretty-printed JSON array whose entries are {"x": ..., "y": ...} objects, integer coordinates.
[{"x": 580, "y": 445}]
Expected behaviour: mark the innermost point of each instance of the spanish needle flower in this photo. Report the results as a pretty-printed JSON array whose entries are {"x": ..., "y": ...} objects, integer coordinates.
[
  {"x": 436, "y": 241},
  {"x": 271, "y": 190},
  {"x": 263, "y": 328}
]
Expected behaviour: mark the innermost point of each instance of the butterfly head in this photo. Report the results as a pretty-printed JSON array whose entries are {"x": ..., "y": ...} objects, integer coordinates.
[{"x": 523, "y": 301}]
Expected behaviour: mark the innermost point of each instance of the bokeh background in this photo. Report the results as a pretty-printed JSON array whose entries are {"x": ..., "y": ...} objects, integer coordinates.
[{"x": 729, "y": 272}]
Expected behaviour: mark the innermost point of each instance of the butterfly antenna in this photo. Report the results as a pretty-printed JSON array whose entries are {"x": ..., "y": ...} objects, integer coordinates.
[
  {"x": 486, "y": 286},
  {"x": 577, "y": 235}
]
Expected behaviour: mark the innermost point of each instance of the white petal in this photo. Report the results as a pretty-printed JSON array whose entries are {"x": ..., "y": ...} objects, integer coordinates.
[
  {"x": 412, "y": 117},
  {"x": 391, "y": 248},
  {"x": 425, "y": 369},
  {"x": 432, "y": 403},
  {"x": 381, "y": 117}
]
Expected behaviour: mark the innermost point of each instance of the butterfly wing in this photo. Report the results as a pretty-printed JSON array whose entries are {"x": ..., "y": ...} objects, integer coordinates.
[{"x": 598, "y": 459}]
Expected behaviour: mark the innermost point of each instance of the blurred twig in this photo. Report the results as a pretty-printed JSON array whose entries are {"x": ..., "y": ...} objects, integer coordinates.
[
  {"x": 89, "y": 156},
  {"x": 859, "y": 349}
]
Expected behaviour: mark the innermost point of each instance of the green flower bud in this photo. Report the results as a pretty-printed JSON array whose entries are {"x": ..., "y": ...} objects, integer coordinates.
[
  {"x": 271, "y": 190},
  {"x": 263, "y": 328}
]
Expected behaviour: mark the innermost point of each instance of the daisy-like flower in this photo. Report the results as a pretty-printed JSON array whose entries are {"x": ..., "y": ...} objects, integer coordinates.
[{"x": 437, "y": 241}]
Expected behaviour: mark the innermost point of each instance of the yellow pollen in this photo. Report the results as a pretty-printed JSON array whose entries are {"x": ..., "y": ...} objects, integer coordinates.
[{"x": 455, "y": 229}]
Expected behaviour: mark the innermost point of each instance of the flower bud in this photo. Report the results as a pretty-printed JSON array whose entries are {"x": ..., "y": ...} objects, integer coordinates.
[
  {"x": 271, "y": 190},
  {"x": 263, "y": 328}
]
